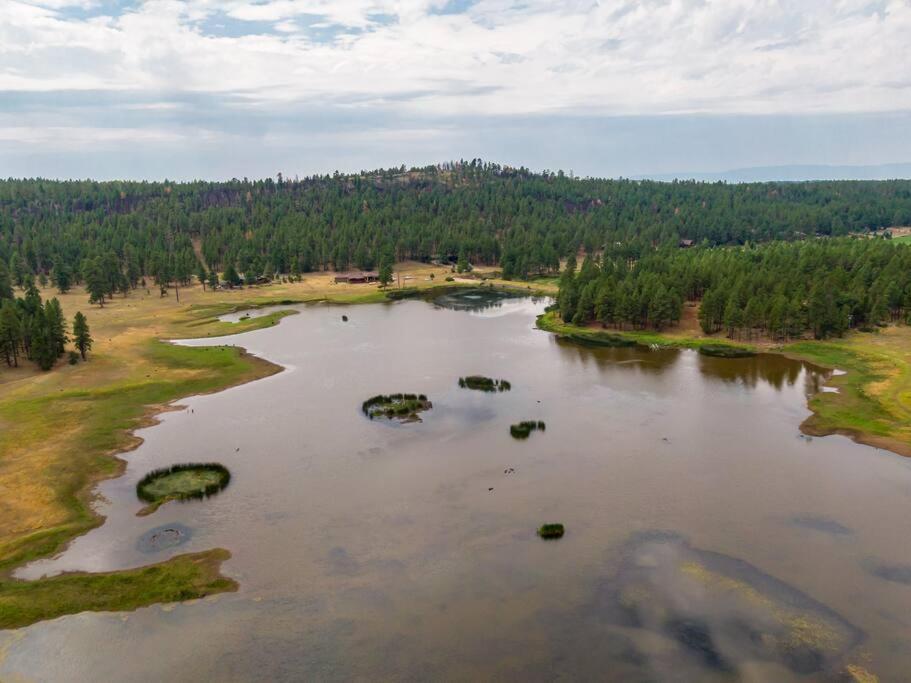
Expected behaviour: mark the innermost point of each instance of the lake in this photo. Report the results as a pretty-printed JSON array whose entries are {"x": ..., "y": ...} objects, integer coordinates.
[{"x": 706, "y": 538}]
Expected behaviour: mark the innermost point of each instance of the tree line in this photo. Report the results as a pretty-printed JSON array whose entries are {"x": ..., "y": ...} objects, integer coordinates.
[
  {"x": 36, "y": 330},
  {"x": 468, "y": 211},
  {"x": 777, "y": 290}
]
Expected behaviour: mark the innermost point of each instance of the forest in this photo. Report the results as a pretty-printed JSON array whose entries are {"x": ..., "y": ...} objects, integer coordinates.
[
  {"x": 773, "y": 259},
  {"x": 776, "y": 290},
  {"x": 37, "y": 330},
  {"x": 521, "y": 221}
]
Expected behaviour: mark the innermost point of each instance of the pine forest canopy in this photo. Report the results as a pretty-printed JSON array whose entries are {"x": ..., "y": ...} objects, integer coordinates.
[
  {"x": 776, "y": 290},
  {"x": 523, "y": 221}
]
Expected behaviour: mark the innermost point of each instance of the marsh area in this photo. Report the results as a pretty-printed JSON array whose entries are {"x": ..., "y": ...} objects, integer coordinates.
[{"x": 706, "y": 536}]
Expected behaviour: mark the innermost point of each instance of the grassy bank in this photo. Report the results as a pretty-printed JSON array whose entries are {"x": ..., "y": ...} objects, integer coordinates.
[
  {"x": 873, "y": 402},
  {"x": 181, "y": 578},
  {"x": 551, "y": 322},
  {"x": 60, "y": 431}
]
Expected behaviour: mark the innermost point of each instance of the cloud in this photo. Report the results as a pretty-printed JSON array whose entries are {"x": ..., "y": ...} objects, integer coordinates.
[
  {"x": 421, "y": 64},
  {"x": 651, "y": 56}
]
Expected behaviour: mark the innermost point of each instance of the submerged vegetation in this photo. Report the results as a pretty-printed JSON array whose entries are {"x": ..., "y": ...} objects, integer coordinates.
[
  {"x": 186, "y": 481},
  {"x": 480, "y": 383},
  {"x": 550, "y": 531},
  {"x": 523, "y": 429},
  {"x": 402, "y": 407}
]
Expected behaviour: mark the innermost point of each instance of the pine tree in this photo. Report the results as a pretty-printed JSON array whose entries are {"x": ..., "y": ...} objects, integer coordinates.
[
  {"x": 10, "y": 332},
  {"x": 231, "y": 276},
  {"x": 56, "y": 325},
  {"x": 94, "y": 282},
  {"x": 43, "y": 344},
  {"x": 385, "y": 275},
  {"x": 81, "y": 336},
  {"x": 463, "y": 266},
  {"x": 62, "y": 278},
  {"x": 6, "y": 287},
  {"x": 567, "y": 297}
]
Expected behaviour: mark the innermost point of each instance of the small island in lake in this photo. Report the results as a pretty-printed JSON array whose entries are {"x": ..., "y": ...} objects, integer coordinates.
[
  {"x": 523, "y": 429},
  {"x": 401, "y": 407},
  {"x": 481, "y": 383},
  {"x": 181, "y": 482},
  {"x": 550, "y": 531}
]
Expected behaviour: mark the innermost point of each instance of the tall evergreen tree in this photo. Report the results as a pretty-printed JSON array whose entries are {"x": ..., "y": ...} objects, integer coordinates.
[
  {"x": 82, "y": 338},
  {"x": 10, "y": 332}
]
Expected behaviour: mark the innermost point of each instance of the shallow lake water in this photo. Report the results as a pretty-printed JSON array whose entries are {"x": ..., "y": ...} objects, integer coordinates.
[{"x": 706, "y": 538}]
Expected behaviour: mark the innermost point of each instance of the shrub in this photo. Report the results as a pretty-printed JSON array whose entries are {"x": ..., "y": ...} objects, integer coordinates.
[
  {"x": 551, "y": 531},
  {"x": 523, "y": 429},
  {"x": 480, "y": 383}
]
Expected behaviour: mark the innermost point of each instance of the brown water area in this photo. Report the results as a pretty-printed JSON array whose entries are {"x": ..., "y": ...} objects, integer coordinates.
[{"x": 706, "y": 538}]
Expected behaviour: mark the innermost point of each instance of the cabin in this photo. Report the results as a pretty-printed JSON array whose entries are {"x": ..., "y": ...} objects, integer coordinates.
[
  {"x": 686, "y": 244},
  {"x": 358, "y": 278}
]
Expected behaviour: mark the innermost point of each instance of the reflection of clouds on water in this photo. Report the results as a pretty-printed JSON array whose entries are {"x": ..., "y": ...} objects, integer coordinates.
[
  {"x": 821, "y": 524},
  {"x": 691, "y": 614},
  {"x": 490, "y": 303},
  {"x": 896, "y": 573}
]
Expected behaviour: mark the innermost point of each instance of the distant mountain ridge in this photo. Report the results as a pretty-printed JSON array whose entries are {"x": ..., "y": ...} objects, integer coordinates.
[{"x": 792, "y": 173}]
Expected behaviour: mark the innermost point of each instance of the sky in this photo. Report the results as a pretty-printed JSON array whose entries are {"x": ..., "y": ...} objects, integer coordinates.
[{"x": 184, "y": 89}]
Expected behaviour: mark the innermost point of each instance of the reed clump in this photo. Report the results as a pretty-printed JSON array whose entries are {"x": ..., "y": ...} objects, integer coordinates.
[
  {"x": 523, "y": 429},
  {"x": 551, "y": 531},
  {"x": 404, "y": 407},
  {"x": 481, "y": 383},
  {"x": 185, "y": 481}
]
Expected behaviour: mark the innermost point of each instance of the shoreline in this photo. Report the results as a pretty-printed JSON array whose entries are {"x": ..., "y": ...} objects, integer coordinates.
[
  {"x": 24, "y": 602},
  {"x": 201, "y": 576},
  {"x": 830, "y": 412}
]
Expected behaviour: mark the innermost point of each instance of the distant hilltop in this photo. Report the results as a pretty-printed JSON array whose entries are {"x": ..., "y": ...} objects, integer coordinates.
[{"x": 792, "y": 173}]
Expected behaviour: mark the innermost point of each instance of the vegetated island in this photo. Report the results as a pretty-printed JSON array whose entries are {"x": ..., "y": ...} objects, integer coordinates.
[
  {"x": 551, "y": 531},
  {"x": 187, "y": 481},
  {"x": 523, "y": 429},
  {"x": 401, "y": 407},
  {"x": 481, "y": 383}
]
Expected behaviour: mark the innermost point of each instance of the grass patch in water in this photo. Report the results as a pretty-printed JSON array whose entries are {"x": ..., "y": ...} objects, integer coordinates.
[
  {"x": 726, "y": 351},
  {"x": 183, "y": 482},
  {"x": 551, "y": 531},
  {"x": 523, "y": 429},
  {"x": 403, "y": 407},
  {"x": 185, "y": 577},
  {"x": 480, "y": 383}
]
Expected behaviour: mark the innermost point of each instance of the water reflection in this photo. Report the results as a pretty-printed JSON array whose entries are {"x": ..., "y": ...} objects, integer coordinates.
[
  {"x": 480, "y": 299},
  {"x": 709, "y": 613},
  {"x": 633, "y": 358},
  {"x": 769, "y": 368}
]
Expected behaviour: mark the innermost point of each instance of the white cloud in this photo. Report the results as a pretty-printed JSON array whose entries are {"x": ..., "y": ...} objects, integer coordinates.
[
  {"x": 85, "y": 137},
  {"x": 501, "y": 57}
]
